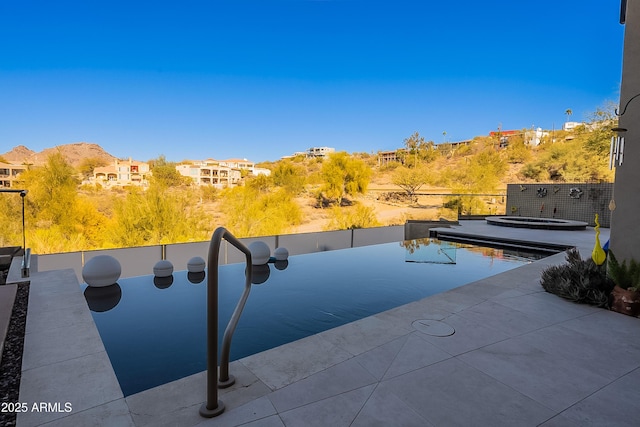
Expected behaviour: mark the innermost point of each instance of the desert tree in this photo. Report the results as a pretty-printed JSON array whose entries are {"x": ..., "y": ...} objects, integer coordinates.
[
  {"x": 58, "y": 218},
  {"x": 290, "y": 176},
  {"x": 417, "y": 148},
  {"x": 157, "y": 216},
  {"x": 249, "y": 212},
  {"x": 164, "y": 173},
  {"x": 10, "y": 220},
  {"x": 410, "y": 179},
  {"x": 343, "y": 176},
  {"x": 89, "y": 164}
]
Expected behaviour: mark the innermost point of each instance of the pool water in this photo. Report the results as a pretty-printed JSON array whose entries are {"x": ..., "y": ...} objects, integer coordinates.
[{"x": 154, "y": 331}]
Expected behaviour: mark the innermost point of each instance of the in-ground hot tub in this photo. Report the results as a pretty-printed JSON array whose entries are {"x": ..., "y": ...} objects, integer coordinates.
[{"x": 537, "y": 223}]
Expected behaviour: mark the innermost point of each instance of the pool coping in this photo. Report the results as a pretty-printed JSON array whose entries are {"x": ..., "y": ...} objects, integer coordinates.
[{"x": 65, "y": 360}]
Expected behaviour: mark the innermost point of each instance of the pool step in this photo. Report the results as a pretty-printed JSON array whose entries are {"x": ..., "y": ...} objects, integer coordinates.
[{"x": 545, "y": 248}]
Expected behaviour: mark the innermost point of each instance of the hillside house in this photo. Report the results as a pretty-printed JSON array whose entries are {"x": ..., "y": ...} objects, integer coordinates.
[
  {"x": 386, "y": 157},
  {"x": 9, "y": 173},
  {"x": 319, "y": 151},
  {"x": 122, "y": 173},
  {"x": 213, "y": 172}
]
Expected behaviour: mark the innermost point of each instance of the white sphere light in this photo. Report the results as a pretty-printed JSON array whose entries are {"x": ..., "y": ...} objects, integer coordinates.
[
  {"x": 260, "y": 253},
  {"x": 195, "y": 265},
  {"x": 281, "y": 254},
  {"x": 163, "y": 268},
  {"x": 101, "y": 270}
]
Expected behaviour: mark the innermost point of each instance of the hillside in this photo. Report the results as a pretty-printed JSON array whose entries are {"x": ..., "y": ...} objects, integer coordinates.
[
  {"x": 18, "y": 154},
  {"x": 73, "y": 153},
  {"x": 298, "y": 197}
]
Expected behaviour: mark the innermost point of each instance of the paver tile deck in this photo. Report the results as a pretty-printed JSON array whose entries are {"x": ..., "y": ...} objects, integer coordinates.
[{"x": 519, "y": 356}]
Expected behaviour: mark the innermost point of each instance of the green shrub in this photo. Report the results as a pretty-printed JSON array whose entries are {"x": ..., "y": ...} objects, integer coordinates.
[{"x": 623, "y": 275}]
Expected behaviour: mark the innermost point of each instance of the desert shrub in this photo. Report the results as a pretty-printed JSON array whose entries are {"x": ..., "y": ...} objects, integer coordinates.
[
  {"x": 209, "y": 193},
  {"x": 351, "y": 218},
  {"x": 533, "y": 171},
  {"x": 517, "y": 150},
  {"x": 467, "y": 205},
  {"x": 396, "y": 197},
  {"x": 581, "y": 281},
  {"x": 390, "y": 166}
]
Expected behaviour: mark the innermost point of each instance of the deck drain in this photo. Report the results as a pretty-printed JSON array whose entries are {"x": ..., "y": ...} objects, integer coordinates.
[{"x": 434, "y": 328}]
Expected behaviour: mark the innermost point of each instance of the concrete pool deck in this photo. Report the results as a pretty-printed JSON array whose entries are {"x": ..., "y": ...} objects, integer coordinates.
[{"x": 519, "y": 356}]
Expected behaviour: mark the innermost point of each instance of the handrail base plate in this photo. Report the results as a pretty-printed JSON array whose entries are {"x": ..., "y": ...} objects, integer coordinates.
[
  {"x": 210, "y": 413},
  {"x": 228, "y": 383}
]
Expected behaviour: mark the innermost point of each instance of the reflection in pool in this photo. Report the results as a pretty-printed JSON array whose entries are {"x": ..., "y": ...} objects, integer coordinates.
[{"x": 154, "y": 331}]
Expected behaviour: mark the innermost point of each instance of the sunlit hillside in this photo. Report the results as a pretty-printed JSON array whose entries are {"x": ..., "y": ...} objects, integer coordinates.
[{"x": 345, "y": 190}]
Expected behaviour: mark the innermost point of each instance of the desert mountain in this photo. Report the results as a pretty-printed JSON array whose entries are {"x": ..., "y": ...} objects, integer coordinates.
[
  {"x": 18, "y": 154},
  {"x": 73, "y": 153}
]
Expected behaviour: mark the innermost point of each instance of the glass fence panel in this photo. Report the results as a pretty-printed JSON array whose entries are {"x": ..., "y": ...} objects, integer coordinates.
[
  {"x": 315, "y": 242},
  {"x": 61, "y": 261},
  {"x": 140, "y": 261},
  {"x": 179, "y": 254},
  {"x": 298, "y": 244},
  {"x": 377, "y": 235},
  {"x": 136, "y": 261}
]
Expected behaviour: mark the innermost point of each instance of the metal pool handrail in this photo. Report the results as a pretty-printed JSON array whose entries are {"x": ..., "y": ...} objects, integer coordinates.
[
  {"x": 225, "y": 380},
  {"x": 214, "y": 407}
]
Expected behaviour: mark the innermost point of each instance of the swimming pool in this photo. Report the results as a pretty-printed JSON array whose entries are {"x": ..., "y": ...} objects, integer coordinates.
[{"x": 154, "y": 331}]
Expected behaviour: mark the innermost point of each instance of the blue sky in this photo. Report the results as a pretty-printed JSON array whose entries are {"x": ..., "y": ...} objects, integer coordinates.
[{"x": 263, "y": 79}]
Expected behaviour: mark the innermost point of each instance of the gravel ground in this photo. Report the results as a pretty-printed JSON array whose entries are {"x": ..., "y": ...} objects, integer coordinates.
[{"x": 11, "y": 366}]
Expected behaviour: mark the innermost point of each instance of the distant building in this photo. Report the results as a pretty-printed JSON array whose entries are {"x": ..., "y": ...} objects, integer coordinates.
[
  {"x": 571, "y": 125},
  {"x": 386, "y": 157},
  {"x": 504, "y": 135},
  {"x": 320, "y": 151},
  {"x": 534, "y": 137},
  {"x": 9, "y": 173},
  {"x": 123, "y": 172},
  {"x": 211, "y": 172},
  {"x": 312, "y": 152},
  {"x": 242, "y": 164},
  {"x": 220, "y": 173},
  {"x": 531, "y": 137},
  {"x": 261, "y": 171},
  {"x": 451, "y": 146}
]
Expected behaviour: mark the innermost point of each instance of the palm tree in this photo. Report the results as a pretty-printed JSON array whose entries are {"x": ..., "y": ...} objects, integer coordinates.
[{"x": 568, "y": 113}]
